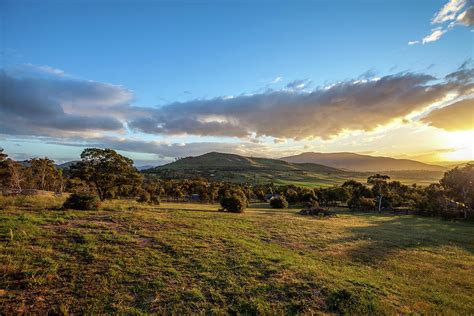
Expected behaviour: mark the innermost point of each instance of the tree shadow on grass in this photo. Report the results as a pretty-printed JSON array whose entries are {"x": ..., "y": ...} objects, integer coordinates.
[{"x": 387, "y": 234}]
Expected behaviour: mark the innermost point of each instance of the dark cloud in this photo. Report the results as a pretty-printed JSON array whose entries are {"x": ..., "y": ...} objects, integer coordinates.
[
  {"x": 38, "y": 105},
  {"x": 467, "y": 17},
  {"x": 167, "y": 150},
  {"x": 323, "y": 112},
  {"x": 456, "y": 117}
]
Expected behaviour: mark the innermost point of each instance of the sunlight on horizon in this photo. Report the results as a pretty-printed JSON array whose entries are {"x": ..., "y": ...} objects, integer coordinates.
[{"x": 463, "y": 144}]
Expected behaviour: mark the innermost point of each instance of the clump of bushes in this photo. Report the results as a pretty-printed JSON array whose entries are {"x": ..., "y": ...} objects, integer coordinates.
[
  {"x": 234, "y": 202},
  {"x": 279, "y": 202},
  {"x": 361, "y": 204},
  {"x": 143, "y": 197},
  {"x": 82, "y": 201},
  {"x": 317, "y": 211}
]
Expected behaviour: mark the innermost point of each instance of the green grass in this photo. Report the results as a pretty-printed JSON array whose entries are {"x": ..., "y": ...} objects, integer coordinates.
[{"x": 189, "y": 258}]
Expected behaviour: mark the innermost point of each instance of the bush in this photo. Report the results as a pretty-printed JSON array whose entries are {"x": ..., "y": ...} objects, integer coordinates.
[
  {"x": 235, "y": 202},
  {"x": 279, "y": 202},
  {"x": 155, "y": 199},
  {"x": 318, "y": 211},
  {"x": 82, "y": 201},
  {"x": 361, "y": 204},
  {"x": 143, "y": 197}
]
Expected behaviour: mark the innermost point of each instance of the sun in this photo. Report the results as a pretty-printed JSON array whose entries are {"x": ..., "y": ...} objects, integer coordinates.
[{"x": 462, "y": 143}]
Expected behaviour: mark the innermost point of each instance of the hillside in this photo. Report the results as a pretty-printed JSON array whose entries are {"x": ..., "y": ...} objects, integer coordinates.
[
  {"x": 361, "y": 163},
  {"x": 239, "y": 169},
  {"x": 232, "y": 162}
]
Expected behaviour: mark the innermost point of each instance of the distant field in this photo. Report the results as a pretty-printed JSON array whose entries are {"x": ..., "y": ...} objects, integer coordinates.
[{"x": 189, "y": 258}]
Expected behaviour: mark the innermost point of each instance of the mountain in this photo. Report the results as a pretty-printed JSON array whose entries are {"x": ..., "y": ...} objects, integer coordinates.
[
  {"x": 67, "y": 165},
  {"x": 235, "y": 168},
  {"x": 231, "y": 162},
  {"x": 361, "y": 163}
]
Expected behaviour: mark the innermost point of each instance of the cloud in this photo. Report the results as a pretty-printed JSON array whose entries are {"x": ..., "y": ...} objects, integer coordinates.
[
  {"x": 434, "y": 36},
  {"x": 169, "y": 150},
  {"x": 450, "y": 16},
  {"x": 276, "y": 80},
  {"x": 467, "y": 17},
  {"x": 33, "y": 104},
  {"x": 448, "y": 12},
  {"x": 298, "y": 84},
  {"x": 456, "y": 117},
  {"x": 321, "y": 112},
  {"x": 63, "y": 107}
]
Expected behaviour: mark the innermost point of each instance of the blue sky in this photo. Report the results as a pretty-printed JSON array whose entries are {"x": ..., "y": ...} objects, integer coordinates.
[{"x": 165, "y": 52}]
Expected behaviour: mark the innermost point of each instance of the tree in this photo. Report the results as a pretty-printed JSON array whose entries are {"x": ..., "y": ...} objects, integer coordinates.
[
  {"x": 361, "y": 196},
  {"x": 106, "y": 170},
  {"x": 4, "y": 171},
  {"x": 44, "y": 173},
  {"x": 459, "y": 185},
  {"x": 379, "y": 187}
]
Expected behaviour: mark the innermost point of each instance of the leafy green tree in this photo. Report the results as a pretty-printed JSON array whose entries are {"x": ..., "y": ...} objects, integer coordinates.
[
  {"x": 379, "y": 187},
  {"x": 459, "y": 185},
  {"x": 44, "y": 173},
  {"x": 105, "y": 170}
]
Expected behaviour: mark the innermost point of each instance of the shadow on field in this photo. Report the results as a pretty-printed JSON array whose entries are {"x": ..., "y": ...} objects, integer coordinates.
[{"x": 387, "y": 234}]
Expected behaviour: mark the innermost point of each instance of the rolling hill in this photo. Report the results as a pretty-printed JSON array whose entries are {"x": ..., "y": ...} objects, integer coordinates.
[
  {"x": 361, "y": 163},
  {"x": 235, "y": 168}
]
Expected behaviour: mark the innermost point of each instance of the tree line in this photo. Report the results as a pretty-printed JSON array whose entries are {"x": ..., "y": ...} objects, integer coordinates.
[{"x": 108, "y": 175}]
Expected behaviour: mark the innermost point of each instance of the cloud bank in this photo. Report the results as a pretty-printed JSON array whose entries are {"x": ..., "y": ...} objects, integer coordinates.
[
  {"x": 84, "y": 112},
  {"x": 322, "y": 112}
]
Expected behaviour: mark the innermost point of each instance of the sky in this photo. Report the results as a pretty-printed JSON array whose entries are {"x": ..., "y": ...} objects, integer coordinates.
[{"x": 157, "y": 80}]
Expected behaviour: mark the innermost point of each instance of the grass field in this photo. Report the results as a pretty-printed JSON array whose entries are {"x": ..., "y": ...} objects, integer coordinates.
[{"x": 189, "y": 258}]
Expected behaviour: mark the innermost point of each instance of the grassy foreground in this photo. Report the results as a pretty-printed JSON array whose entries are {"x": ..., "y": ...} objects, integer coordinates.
[{"x": 189, "y": 258}]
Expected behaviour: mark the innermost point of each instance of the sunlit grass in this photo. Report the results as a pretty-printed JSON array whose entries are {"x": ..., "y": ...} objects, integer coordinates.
[{"x": 188, "y": 258}]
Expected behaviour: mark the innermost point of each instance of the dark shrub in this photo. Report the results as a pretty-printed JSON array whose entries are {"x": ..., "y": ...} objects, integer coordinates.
[
  {"x": 155, "y": 199},
  {"x": 317, "y": 211},
  {"x": 235, "y": 202},
  {"x": 144, "y": 197},
  {"x": 361, "y": 204},
  {"x": 82, "y": 201},
  {"x": 279, "y": 202}
]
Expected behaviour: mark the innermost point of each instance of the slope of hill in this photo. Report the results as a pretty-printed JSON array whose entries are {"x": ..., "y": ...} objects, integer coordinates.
[
  {"x": 235, "y": 168},
  {"x": 361, "y": 163}
]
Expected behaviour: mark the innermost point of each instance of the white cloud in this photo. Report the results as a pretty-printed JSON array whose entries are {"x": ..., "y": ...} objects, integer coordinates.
[
  {"x": 451, "y": 14},
  {"x": 434, "y": 36},
  {"x": 276, "y": 80},
  {"x": 449, "y": 11}
]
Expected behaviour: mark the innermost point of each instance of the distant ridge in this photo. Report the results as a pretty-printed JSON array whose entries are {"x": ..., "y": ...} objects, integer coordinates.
[
  {"x": 361, "y": 163},
  {"x": 240, "y": 169},
  {"x": 229, "y": 162}
]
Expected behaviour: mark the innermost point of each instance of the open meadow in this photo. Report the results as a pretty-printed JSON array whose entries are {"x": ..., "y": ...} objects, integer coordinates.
[{"x": 174, "y": 258}]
